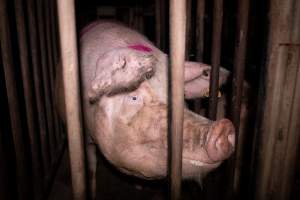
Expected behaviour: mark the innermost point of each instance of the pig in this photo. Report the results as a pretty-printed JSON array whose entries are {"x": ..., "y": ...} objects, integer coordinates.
[{"x": 124, "y": 88}]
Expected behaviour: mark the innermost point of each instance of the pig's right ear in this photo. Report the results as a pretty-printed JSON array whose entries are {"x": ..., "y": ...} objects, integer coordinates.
[{"x": 121, "y": 70}]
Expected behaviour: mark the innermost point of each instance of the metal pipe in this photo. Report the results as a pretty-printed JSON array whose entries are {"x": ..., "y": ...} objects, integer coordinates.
[
  {"x": 38, "y": 85},
  {"x": 200, "y": 13},
  {"x": 31, "y": 115},
  {"x": 46, "y": 8},
  {"x": 22, "y": 171},
  {"x": 177, "y": 55},
  {"x": 160, "y": 21},
  {"x": 54, "y": 25},
  {"x": 237, "y": 85},
  {"x": 215, "y": 58},
  {"x": 45, "y": 76},
  {"x": 68, "y": 43}
]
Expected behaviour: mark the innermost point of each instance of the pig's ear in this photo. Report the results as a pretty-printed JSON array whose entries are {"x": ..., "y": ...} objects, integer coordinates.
[
  {"x": 121, "y": 70},
  {"x": 197, "y": 78},
  {"x": 193, "y": 70}
]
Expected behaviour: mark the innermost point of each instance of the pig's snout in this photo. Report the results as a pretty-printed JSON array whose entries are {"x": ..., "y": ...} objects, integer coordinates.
[{"x": 221, "y": 140}]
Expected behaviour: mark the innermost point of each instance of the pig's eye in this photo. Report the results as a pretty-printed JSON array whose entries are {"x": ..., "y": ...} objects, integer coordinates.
[
  {"x": 134, "y": 99},
  {"x": 206, "y": 73}
]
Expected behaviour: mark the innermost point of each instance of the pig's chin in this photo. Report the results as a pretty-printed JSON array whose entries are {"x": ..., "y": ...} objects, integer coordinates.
[
  {"x": 153, "y": 164},
  {"x": 195, "y": 168}
]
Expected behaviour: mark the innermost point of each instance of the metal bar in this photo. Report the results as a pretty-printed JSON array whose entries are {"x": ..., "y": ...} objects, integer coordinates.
[
  {"x": 200, "y": 14},
  {"x": 160, "y": 20},
  {"x": 157, "y": 23},
  {"x": 237, "y": 88},
  {"x": 22, "y": 171},
  {"x": 45, "y": 74},
  {"x": 188, "y": 38},
  {"x": 38, "y": 84},
  {"x": 177, "y": 55},
  {"x": 47, "y": 17},
  {"x": 200, "y": 30},
  {"x": 29, "y": 100},
  {"x": 215, "y": 58},
  {"x": 67, "y": 30},
  {"x": 54, "y": 26}
]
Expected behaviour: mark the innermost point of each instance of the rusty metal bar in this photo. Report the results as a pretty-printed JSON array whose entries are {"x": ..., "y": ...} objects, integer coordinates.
[
  {"x": 38, "y": 84},
  {"x": 67, "y": 30},
  {"x": 200, "y": 14},
  {"x": 177, "y": 55},
  {"x": 237, "y": 88},
  {"x": 45, "y": 74},
  {"x": 29, "y": 100},
  {"x": 215, "y": 57},
  {"x": 22, "y": 170}
]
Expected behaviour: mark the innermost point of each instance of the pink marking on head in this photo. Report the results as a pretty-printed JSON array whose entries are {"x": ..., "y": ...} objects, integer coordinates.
[
  {"x": 88, "y": 27},
  {"x": 140, "y": 47}
]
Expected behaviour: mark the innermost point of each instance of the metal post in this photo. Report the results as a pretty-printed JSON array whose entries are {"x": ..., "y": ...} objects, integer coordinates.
[
  {"x": 67, "y": 30},
  {"x": 38, "y": 84},
  {"x": 177, "y": 55},
  {"x": 45, "y": 74},
  {"x": 200, "y": 14},
  {"x": 215, "y": 58},
  {"x": 23, "y": 180},
  {"x": 237, "y": 86},
  {"x": 29, "y": 100}
]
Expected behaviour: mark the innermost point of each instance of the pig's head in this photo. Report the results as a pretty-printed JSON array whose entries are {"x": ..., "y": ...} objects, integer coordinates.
[{"x": 129, "y": 97}]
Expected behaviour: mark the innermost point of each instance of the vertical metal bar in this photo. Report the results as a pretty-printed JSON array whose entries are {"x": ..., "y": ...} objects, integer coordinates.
[
  {"x": 157, "y": 23},
  {"x": 188, "y": 40},
  {"x": 177, "y": 55},
  {"x": 45, "y": 74},
  {"x": 237, "y": 84},
  {"x": 38, "y": 84},
  {"x": 200, "y": 29},
  {"x": 67, "y": 30},
  {"x": 23, "y": 180},
  {"x": 47, "y": 17},
  {"x": 200, "y": 14},
  {"x": 55, "y": 49},
  {"x": 215, "y": 57},
  {"x": 53, "y": 24},
  {"x": 160, "y": 20},
  {"x": 29, "y": 100},
  {"x": 239, "y": 60}
]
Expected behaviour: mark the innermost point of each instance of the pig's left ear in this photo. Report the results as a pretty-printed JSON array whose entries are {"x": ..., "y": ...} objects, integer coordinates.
[{"x": 121, "y": 70}]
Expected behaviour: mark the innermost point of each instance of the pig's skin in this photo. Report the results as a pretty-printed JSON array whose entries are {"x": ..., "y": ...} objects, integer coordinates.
[{"x": 124, "y": 87}]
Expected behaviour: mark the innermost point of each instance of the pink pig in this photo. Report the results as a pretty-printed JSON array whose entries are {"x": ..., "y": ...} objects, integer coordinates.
[{"x": 124, "y": 87}]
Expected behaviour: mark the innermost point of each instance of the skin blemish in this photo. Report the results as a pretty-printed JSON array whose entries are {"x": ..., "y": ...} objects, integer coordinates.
[{"x": 140, "y": 47}]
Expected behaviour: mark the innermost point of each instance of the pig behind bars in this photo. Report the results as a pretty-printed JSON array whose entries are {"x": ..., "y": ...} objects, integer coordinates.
[{"x": 124, "y": 87}]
